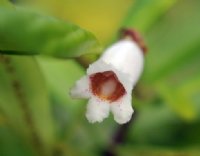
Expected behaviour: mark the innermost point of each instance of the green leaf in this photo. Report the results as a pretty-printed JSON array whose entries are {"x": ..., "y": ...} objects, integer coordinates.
[
  {"x": 144, "y": 13},
  {"x": 191, "y": 87},
  {"x": 173, "y": 41},
  {"x": 13, "y": 144},
  {"x": 174, "y": 56},
  {"x": 60, "y": 76},
  {"x": 60, "y": 81},
  {"x": 27, "y": 33},
  {"x": 156, "y": 151},
  {"x": 181, "y": 104},
  {"x": 24, "y": 101},
  {"x": 6, "y": 3},
  {"x": 181, "y": 85}
]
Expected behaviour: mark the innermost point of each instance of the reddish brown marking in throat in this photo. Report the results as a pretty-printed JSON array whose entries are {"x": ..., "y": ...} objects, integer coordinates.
[{"x": 106, "y": 86}]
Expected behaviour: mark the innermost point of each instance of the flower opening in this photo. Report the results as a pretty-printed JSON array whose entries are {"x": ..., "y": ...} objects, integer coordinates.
[
  {"x": 109, "y": 81},
  {"x": 106, "y": 86}
]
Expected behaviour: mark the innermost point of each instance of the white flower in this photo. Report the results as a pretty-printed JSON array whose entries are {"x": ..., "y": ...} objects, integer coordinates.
[{"x": 109, "y": 82}]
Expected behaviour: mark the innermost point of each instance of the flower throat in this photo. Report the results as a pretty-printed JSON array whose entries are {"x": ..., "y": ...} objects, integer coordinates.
[{"x": 106, "y": 86}]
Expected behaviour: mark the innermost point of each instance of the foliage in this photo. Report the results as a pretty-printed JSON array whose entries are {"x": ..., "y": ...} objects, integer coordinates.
[
  {"x": 25, "y": 32},
  {"x": 37, "y": 116}
]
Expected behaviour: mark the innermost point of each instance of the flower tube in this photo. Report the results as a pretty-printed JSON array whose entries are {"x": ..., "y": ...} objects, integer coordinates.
[{"x": 110, "y": 80}]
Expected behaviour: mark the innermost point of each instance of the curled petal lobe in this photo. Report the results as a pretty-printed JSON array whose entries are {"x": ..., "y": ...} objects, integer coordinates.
[
  {"x": 97, "y": 110},
  {"x": 81, "y": 89},
  {"x": 122, "y": 110}
]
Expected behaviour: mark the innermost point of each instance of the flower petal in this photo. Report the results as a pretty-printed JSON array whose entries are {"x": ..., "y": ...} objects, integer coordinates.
[
  {"x": 97, "y": 110},
  {"x": 125, "y": 56},
  {"x": 122, "y": 110},
  {"x": 81, "y": 88}
]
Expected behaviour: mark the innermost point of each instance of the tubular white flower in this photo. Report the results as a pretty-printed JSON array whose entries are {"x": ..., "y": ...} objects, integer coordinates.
[{"x": 109, "y": 82}]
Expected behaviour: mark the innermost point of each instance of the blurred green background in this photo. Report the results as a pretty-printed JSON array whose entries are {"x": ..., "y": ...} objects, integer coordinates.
[{"x": 37, "y": 116}]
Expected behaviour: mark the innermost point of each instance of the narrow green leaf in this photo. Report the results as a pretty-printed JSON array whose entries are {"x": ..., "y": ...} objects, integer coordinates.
[
  {"x": 173, "y": 41},
  {"x": 173, "y": 58},
  {"x": 157, "y": 151},
  {"x": 144, "y": 13},
  {"x": 6, "y": 3},
  {"x": 191, "y": 87},
  {"x": 177, "y": 101},
  {"x": 24, "y": 101},
  {"x": 60, "y": 81},
  {"x": 27, "y": 33},
  {"x": 12, "y": 144},
  {"x": 66, "y": 109}
]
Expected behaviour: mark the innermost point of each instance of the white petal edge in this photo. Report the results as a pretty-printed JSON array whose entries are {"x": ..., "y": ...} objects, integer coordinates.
[
  {"x": 81, "y": 89},
  {"x": 97, "y": 110},
  {"x": 122, "y": 110}
]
